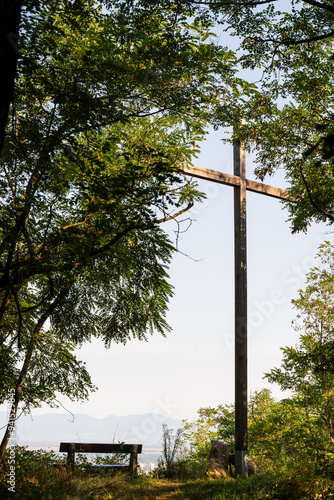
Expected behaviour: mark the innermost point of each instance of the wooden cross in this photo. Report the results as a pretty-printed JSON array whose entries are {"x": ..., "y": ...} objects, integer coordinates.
[{"x": 241, "y": 185}]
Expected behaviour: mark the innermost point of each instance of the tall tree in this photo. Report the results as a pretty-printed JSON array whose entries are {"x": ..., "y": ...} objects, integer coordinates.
[{"x": 108, "y": 104}]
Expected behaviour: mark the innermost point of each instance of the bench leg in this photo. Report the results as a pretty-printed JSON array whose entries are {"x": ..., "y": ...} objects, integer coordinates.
[
  {"x": 133, "y": 465},
  {"x": 71, "y": 456}
]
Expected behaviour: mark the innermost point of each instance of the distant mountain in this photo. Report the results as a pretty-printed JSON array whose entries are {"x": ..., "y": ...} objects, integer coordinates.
[{"x": 51, "y": 429}]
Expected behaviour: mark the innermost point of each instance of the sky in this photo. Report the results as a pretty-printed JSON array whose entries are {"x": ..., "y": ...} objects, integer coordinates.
[{"x": 193, "y": 366}]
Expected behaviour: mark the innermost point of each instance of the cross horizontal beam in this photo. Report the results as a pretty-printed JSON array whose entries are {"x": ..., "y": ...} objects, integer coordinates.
[{"x": 234, "y": 180}]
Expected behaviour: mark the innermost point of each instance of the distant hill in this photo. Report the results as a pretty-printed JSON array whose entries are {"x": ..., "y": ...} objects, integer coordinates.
[
  {"x": 47, "y": 431},
  {"x": 50, "y": 429}
]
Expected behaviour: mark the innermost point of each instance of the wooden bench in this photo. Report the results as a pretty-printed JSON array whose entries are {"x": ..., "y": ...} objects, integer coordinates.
[{"x": 132, "y": 449}]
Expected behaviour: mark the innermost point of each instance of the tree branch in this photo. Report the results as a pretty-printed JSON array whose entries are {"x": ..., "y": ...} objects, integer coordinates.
[
  {"x": 249, "y": 3},
  {"x": 293, "y": 42},
  {"x": 321, "y": 5},
  {"x": 313, "y": 203}
]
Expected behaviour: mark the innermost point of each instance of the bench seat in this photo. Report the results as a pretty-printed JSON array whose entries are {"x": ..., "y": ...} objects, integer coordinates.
[{"x": 132, "y": 449}]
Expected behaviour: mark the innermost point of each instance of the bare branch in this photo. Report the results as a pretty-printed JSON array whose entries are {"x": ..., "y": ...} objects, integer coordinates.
[{"x": 66, "y": 409}]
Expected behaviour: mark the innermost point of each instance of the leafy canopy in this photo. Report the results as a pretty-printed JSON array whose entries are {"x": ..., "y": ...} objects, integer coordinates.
[
  {"x": 110, "y": 100},
  {"x": 289, "y": 116}
]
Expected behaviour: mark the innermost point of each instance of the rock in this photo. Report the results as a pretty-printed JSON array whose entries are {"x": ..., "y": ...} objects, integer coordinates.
[
  {"x": 216, "y": 470},
  {"x": 252, "y": 468},
  {"x": 219, "y": 460}
]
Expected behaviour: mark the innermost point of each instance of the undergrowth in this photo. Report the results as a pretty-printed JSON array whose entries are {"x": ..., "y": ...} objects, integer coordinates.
[{"x": 37, "y": 478}]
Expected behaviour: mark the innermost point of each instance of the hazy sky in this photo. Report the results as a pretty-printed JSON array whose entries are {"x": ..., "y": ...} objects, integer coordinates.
[{"x": 194, "y": 366}]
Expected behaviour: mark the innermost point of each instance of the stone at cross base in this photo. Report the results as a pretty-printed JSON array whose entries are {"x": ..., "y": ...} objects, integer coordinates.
[{"x": 220, "y": 461}]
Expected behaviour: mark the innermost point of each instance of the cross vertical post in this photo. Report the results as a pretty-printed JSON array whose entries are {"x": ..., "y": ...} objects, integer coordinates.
[
  {"x": 240, "y": 185},
  {"x": 240, "y": 270}
]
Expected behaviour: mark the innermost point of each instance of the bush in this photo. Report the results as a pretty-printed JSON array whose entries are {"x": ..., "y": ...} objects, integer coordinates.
[{"x": 34, "y": 472}]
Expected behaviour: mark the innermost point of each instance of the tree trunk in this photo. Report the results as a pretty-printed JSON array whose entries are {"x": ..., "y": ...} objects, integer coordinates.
[
  {"x": 10, "y": 16},
  {"x": 25, "y": 367}
]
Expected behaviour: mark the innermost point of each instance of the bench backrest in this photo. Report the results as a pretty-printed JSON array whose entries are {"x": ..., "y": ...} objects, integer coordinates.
[{"x": 100, "y": 447}]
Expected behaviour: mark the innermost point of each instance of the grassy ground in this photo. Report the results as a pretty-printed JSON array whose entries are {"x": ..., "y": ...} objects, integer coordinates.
[
  {"x": 37, "y": 479},
  {"x": 61, "y": 485},
  {"x": 143, "y": 488},
  {"x": 122, "y": 488}
]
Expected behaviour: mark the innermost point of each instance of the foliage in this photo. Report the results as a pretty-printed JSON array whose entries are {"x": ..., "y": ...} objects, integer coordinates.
[
  {"x": 54, "y": 370},
  {"x": 279, "y": 444},
  {"x": 307, "y": 369},
  {"x": 212, "y": 424},
  {"x": 295, "y": 433},
  {"x": 110, "y": 100},
  {"x": 289, "y": 118},
  {"x": 37, "y": 478},
  {"x": 218, "y": 424},
  {"x": 34, "y": 473}
]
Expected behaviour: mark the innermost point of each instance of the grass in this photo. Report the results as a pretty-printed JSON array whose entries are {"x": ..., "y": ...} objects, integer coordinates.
[
  {"x": 124, "y": 488},
  {"x": 36, "y": 478}
]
